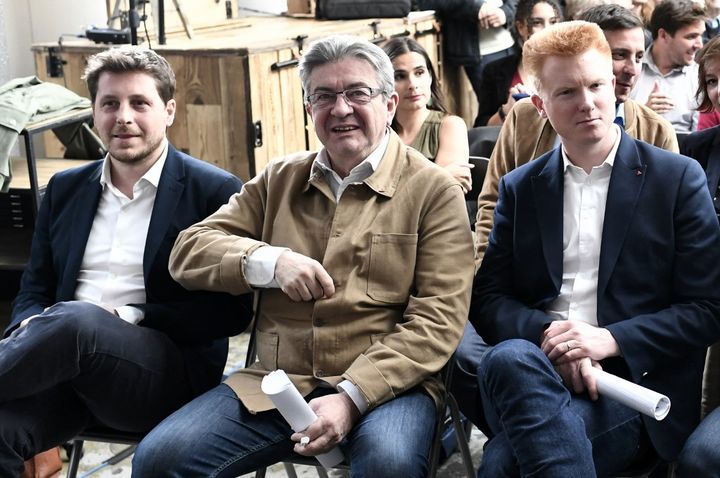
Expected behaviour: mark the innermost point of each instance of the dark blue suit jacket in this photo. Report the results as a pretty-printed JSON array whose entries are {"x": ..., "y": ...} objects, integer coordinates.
[
  {"x": 189, "y": 190},
  {"x": 704, "y": 146},
  {"x": 658, "y": 281}
]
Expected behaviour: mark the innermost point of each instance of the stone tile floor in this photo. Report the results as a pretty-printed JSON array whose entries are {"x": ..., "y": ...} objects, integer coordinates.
[{"x": 96, "y": 453}]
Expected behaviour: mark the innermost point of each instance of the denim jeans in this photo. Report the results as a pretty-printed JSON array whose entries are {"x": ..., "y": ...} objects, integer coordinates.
[
  {"x": 77, "y": 364},
  {"x": 216, "y": 436},
  {"x": 541, "y": 429},
  {"x": 700, "y": 457},
  {"x": 465, "y": 384}
]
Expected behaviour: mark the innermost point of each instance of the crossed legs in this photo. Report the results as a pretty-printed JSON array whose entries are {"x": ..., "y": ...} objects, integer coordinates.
[{"x": 77, "y": 364}]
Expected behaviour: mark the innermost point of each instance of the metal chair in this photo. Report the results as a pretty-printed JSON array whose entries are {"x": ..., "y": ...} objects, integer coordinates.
[{"x": 105, "y": 435}]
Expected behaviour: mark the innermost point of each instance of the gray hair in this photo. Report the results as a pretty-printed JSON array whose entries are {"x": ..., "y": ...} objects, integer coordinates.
[{"x": 338, "y": 47}]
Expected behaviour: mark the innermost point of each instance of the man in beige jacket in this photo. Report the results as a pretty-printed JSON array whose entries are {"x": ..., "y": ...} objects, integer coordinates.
[
  {"x": 525, "y": 135},
  {"x": 365, "y": 262}
]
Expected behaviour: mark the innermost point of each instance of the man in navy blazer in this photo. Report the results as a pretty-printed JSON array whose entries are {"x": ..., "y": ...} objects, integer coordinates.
[
  {"x": 604, "y": 253},
  {"x": 100, "y": 333}
]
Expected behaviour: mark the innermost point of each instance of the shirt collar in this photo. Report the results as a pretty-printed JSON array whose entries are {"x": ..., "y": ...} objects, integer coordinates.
[
  {"x": 609, "y": 160},
  {"x": 152, "y": 175},
  {"x": 321, "y": 163},
  {"x": 620, "y": 112}
]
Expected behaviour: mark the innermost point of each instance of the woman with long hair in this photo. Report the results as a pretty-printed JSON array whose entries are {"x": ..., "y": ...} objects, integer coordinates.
[{"x": 421, "y": 120}]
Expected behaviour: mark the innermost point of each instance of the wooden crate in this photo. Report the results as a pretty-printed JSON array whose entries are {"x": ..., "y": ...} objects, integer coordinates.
[{"x": 238, "y": 91}]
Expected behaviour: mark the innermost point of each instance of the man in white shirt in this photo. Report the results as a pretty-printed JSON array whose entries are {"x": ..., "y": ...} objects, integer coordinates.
[
  {"x": 100, "y": 334},
  {"x": 669, "y": 77},
  {"x": 592, "y": 262}
]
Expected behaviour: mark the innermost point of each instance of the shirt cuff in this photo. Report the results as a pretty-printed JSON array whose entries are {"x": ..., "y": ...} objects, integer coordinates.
[
  {"x": 130, "y": 314},
  {"x": 259, "y": 268},
  {"x": 355, "y": 395}
]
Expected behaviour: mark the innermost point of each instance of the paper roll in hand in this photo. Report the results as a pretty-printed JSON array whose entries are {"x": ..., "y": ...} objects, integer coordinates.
[
  {"x": 295, "y": 410},
  {"x": 632, "y": 395}
]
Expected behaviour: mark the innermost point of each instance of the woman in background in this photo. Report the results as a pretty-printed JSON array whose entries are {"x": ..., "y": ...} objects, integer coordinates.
[
  {"x": 504, "y": 78},
  {"x": 421, "y": 119},
  {"x": 700, "y": 457}
]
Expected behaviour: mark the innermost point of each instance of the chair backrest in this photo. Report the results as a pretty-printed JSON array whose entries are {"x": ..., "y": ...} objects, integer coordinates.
[
  {"x": 482, "y": 139},
  {"x": 478, "y": 172}
]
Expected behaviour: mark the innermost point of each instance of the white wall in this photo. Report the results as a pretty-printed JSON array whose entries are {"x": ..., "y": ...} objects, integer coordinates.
[
  {"x": 36, "y": 21},
  {"x": 264, "y": 6}
]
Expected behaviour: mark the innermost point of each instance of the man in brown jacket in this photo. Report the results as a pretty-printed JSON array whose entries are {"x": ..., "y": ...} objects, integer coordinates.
[
  {"x": 525, "y": 135},
  {"x": 365, "y": 262}
]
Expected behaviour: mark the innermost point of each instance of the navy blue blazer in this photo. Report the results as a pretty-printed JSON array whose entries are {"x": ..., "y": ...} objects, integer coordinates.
[
  {"x": 189, "y": 190},
  {"x": 704, "y": 146},
  {"x": 658, "y": 281}
]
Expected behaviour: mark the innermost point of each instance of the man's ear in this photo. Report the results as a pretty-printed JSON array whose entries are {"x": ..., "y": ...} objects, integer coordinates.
[{"x": 539, "y": 105}]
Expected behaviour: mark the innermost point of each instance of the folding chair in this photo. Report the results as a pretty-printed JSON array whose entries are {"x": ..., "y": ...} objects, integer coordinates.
[{"x": 105, "y": 435}]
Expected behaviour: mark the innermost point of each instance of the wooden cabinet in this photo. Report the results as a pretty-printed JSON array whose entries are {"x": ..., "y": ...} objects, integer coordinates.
[{"x": 238, "y": 91}]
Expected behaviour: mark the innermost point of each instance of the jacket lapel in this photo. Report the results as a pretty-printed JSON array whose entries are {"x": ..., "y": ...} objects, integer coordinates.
[
  {"x": 548, "y": 194},
  {"x": 170, "y": 189},
  {"x": 626, "y": 181},
  {"x": 85, "y": 207}
]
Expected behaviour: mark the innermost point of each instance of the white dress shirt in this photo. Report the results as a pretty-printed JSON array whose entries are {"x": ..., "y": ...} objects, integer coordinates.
[
  {"x": 584, "y": 199},
  {"x": 111, "y": 272}
]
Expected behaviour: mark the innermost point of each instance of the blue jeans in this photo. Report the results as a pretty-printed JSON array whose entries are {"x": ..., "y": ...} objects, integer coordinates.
[
  {"x": 216, "y": 436},
  {"x": 75, "y": 365},
  {"x": 700, "y": 457},
  {"x": 465, "y": 384},
  {"x": 541, "y": 429}
]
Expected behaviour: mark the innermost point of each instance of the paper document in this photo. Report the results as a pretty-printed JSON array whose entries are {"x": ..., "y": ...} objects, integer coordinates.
[
  {"x": 295, "y": 410},
  {"x": 632, "y": 395}
]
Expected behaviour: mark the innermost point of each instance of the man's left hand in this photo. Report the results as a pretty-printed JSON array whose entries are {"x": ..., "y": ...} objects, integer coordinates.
[
  {"x": 567, "y": 340},
  {"x": 336, "y": 415}
]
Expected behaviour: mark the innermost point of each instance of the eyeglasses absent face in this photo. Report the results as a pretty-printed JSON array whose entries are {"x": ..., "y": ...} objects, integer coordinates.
[
  {"x": 359, "y": 95},
  {"x": 535, "y": 24}
]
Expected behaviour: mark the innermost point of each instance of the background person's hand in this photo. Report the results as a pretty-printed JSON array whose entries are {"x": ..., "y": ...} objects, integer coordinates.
[{"x": 658, "y": 101}]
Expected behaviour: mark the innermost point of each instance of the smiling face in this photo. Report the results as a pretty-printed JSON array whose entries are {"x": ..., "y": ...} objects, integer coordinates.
[
  {"x": 349, "y": 132},
  {"x": 412, "y": 81},
  {"x": 628, "y": 49},
  {"x": 130, "y": 116},
  {"x": 712, "y": 75},
  {"x": 684, "y": 44},
  {"x": 577, "y": 96}
]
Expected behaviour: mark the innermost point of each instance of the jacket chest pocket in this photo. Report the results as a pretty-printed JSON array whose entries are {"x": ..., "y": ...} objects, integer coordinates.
[{"x": 392, "y": 267}]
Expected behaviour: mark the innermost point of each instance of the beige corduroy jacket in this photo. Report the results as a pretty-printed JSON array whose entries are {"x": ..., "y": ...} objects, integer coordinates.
[{"x": 398, "y": 247}]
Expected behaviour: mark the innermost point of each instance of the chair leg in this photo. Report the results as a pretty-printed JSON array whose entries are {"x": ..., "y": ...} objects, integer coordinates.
[
  {"x": 74, "y": 459},
  {"x": 259, "y": 473},
  {"x": 461, "y": 437},
  {"x": 290, "y": 470}
]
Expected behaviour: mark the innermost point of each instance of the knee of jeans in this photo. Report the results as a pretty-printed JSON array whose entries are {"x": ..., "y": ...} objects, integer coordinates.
[
  {"x": 153, "y": 456},
  {"x": 506, "y": 356},
  {"x": 74, "y": 316},
  {"x": 697, "y": 458},
  {"x": 391, "y": 462}
]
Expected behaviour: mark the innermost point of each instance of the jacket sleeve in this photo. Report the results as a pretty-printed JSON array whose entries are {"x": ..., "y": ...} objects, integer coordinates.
[
  {"x": 39, "y": 280},
  {"x": 692, "y": 321},
  {"x": 200, "y": 315},
  {"x": 495, "y": 312},
  {"x": 210, "y": 254},
  {"x": 501, "y": 162}
]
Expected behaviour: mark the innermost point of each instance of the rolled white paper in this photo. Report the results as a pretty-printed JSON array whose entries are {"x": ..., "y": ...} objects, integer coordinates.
[
  {"x": 295, "y": 410},
  {"x": 632, "y": 395}
]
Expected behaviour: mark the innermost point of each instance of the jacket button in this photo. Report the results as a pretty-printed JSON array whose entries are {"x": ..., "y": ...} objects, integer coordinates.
[
  {"x": 319, "y": 322},
  {"x": 320, "y": 373}
]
